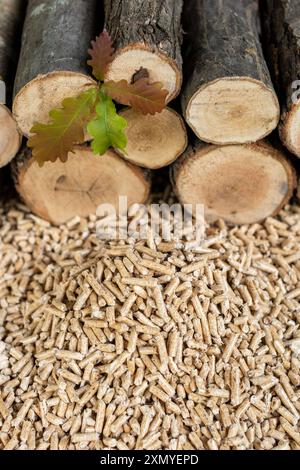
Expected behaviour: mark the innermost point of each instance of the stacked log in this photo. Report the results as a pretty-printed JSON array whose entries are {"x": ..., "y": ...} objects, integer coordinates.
[
  {"x": 53, "y": 59},
  {"x": 146, "y": 34},
  {"x": 60, "y": 191},
  {"x": 281, "y": 20},
  {"x": 242, "y": 184},
  {"x": 150, "y": 40},
  {"x": 10, "y": 26},
  {"x": 154, "y": 141},
  {"x": 147, "y": 37},
  {"x": 228, "y": 99}
]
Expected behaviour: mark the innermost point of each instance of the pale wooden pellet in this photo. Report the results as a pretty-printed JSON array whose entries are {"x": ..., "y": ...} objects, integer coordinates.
[
  {"x": 166, "y": 386},
  {"x": 162, "y": 351},
  {"x": 203, "y": 415},
  {"x": 12, "y": 443},
  {"x": 204, "y": 324},
  {"x": 132, "y": 341},
  {"x": 128, "y": 304},
  {"x": 173, "y": 341},
  {"x": 82, "y": 299},
  {"x": 113, "y": 366},
  {"x": 290, "y": 430},
  {"x": 3, "y": 409},
  {"x": 22, "y": 412},
  {"x": 140, "y": 282},
  {"x": 65, "y": 354},
  {"x": 119, "y": 423},
  {"x": 235, "y": 386},
  {"x": 85, "y": 437},
  {"x": 99, "y": 289},
  {"x": 160, "y": 304},
  {"x": 229, "y": 347},
  {"x": 86, "y": 397},
  {"x": 285, "y": 400}
]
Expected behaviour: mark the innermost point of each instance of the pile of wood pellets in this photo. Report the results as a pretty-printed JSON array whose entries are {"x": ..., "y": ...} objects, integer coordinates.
[{"x": 149, "y": 344}]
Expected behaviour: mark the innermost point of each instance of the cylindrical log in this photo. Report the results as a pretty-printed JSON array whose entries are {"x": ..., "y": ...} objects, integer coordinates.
[
  {"x": 53, "y": 60},
  {"x": 147, "y": 34},
  {"x": 59, "y": 191},
  {"x": 238, "y": 183},
  {"x": 228, "y": 96},
  {"x": 154, "y": 141},
  {"x": 282, "y": 42},
  {"x": 10, "y": 137},
  {"x": 11, "y": 14}
]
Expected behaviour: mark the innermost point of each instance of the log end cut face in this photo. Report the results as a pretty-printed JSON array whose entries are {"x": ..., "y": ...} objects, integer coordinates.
[
  {"x": 59, "y": 191},
  {"x": 37, "y": 98},
  {"x": 290, "y": 130},
  {"x": 10, "y": 138},
  {"x": 154, "y": 141},
  {"x": 233, "y": 110},
  {"x": 129, "y": 60},
  {"x": 241, "y": 184}
]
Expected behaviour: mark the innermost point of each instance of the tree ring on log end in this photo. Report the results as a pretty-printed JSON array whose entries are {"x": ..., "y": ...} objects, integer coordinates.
[
  {"x": 129, "y": 60},
  {"x": 10, "y": 138},
  {"x": 154, "y": 141},
  {"x": 241, "y": 184},
  {"x": 38, "y": 97},
  {"x": 233, "y": 110},
  {"x": 59, "y": 191},
  {"x": 289, "y": 130}
]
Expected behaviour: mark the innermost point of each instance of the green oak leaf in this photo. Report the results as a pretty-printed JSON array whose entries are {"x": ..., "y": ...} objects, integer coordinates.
[{"x": 108, "y": 127}]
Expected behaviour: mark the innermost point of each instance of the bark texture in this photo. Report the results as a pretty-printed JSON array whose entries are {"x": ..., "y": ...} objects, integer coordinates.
[
  {"x": 281, "y": 32},
  {"x": 11, "y": 19},
  {"x": 222, "y": 41},
  {"x": 56, "y": 37},
  {"x": 152, "y": 24},
  {"x": 156, "y": 23}
]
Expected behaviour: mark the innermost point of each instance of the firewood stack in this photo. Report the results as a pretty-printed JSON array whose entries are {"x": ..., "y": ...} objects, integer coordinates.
[
  {"x": 227, "y": 98},
  {"x": 11, "y": 13},
  {"x": 229, "y": 101},
  {"x": 58, "y": 70},
  {"x": 281, "y": 22},
  {"x": 149, "y": 36}
]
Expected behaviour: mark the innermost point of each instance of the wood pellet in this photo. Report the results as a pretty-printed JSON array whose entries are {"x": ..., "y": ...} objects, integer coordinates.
[{"x": 149, "y": 344}]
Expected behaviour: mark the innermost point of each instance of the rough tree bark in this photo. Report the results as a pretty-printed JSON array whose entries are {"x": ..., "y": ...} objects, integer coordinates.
[
  {"x": 146, "y": 34},
  {"x": 281, "y": 28},
  {"x": 239, "y": 183},
  {"x": 228, "y": 95},
  {"x": 154, "y": 141},
  {"x": 2, "y": 182},
  {"x": 59, "y": 191},
  {"x": 52, "y": 65},
  {"x": 11, "y": 15}
]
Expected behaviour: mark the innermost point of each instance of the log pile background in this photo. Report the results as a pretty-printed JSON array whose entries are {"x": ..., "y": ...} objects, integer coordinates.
[{"x": 221, "y": 73}]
